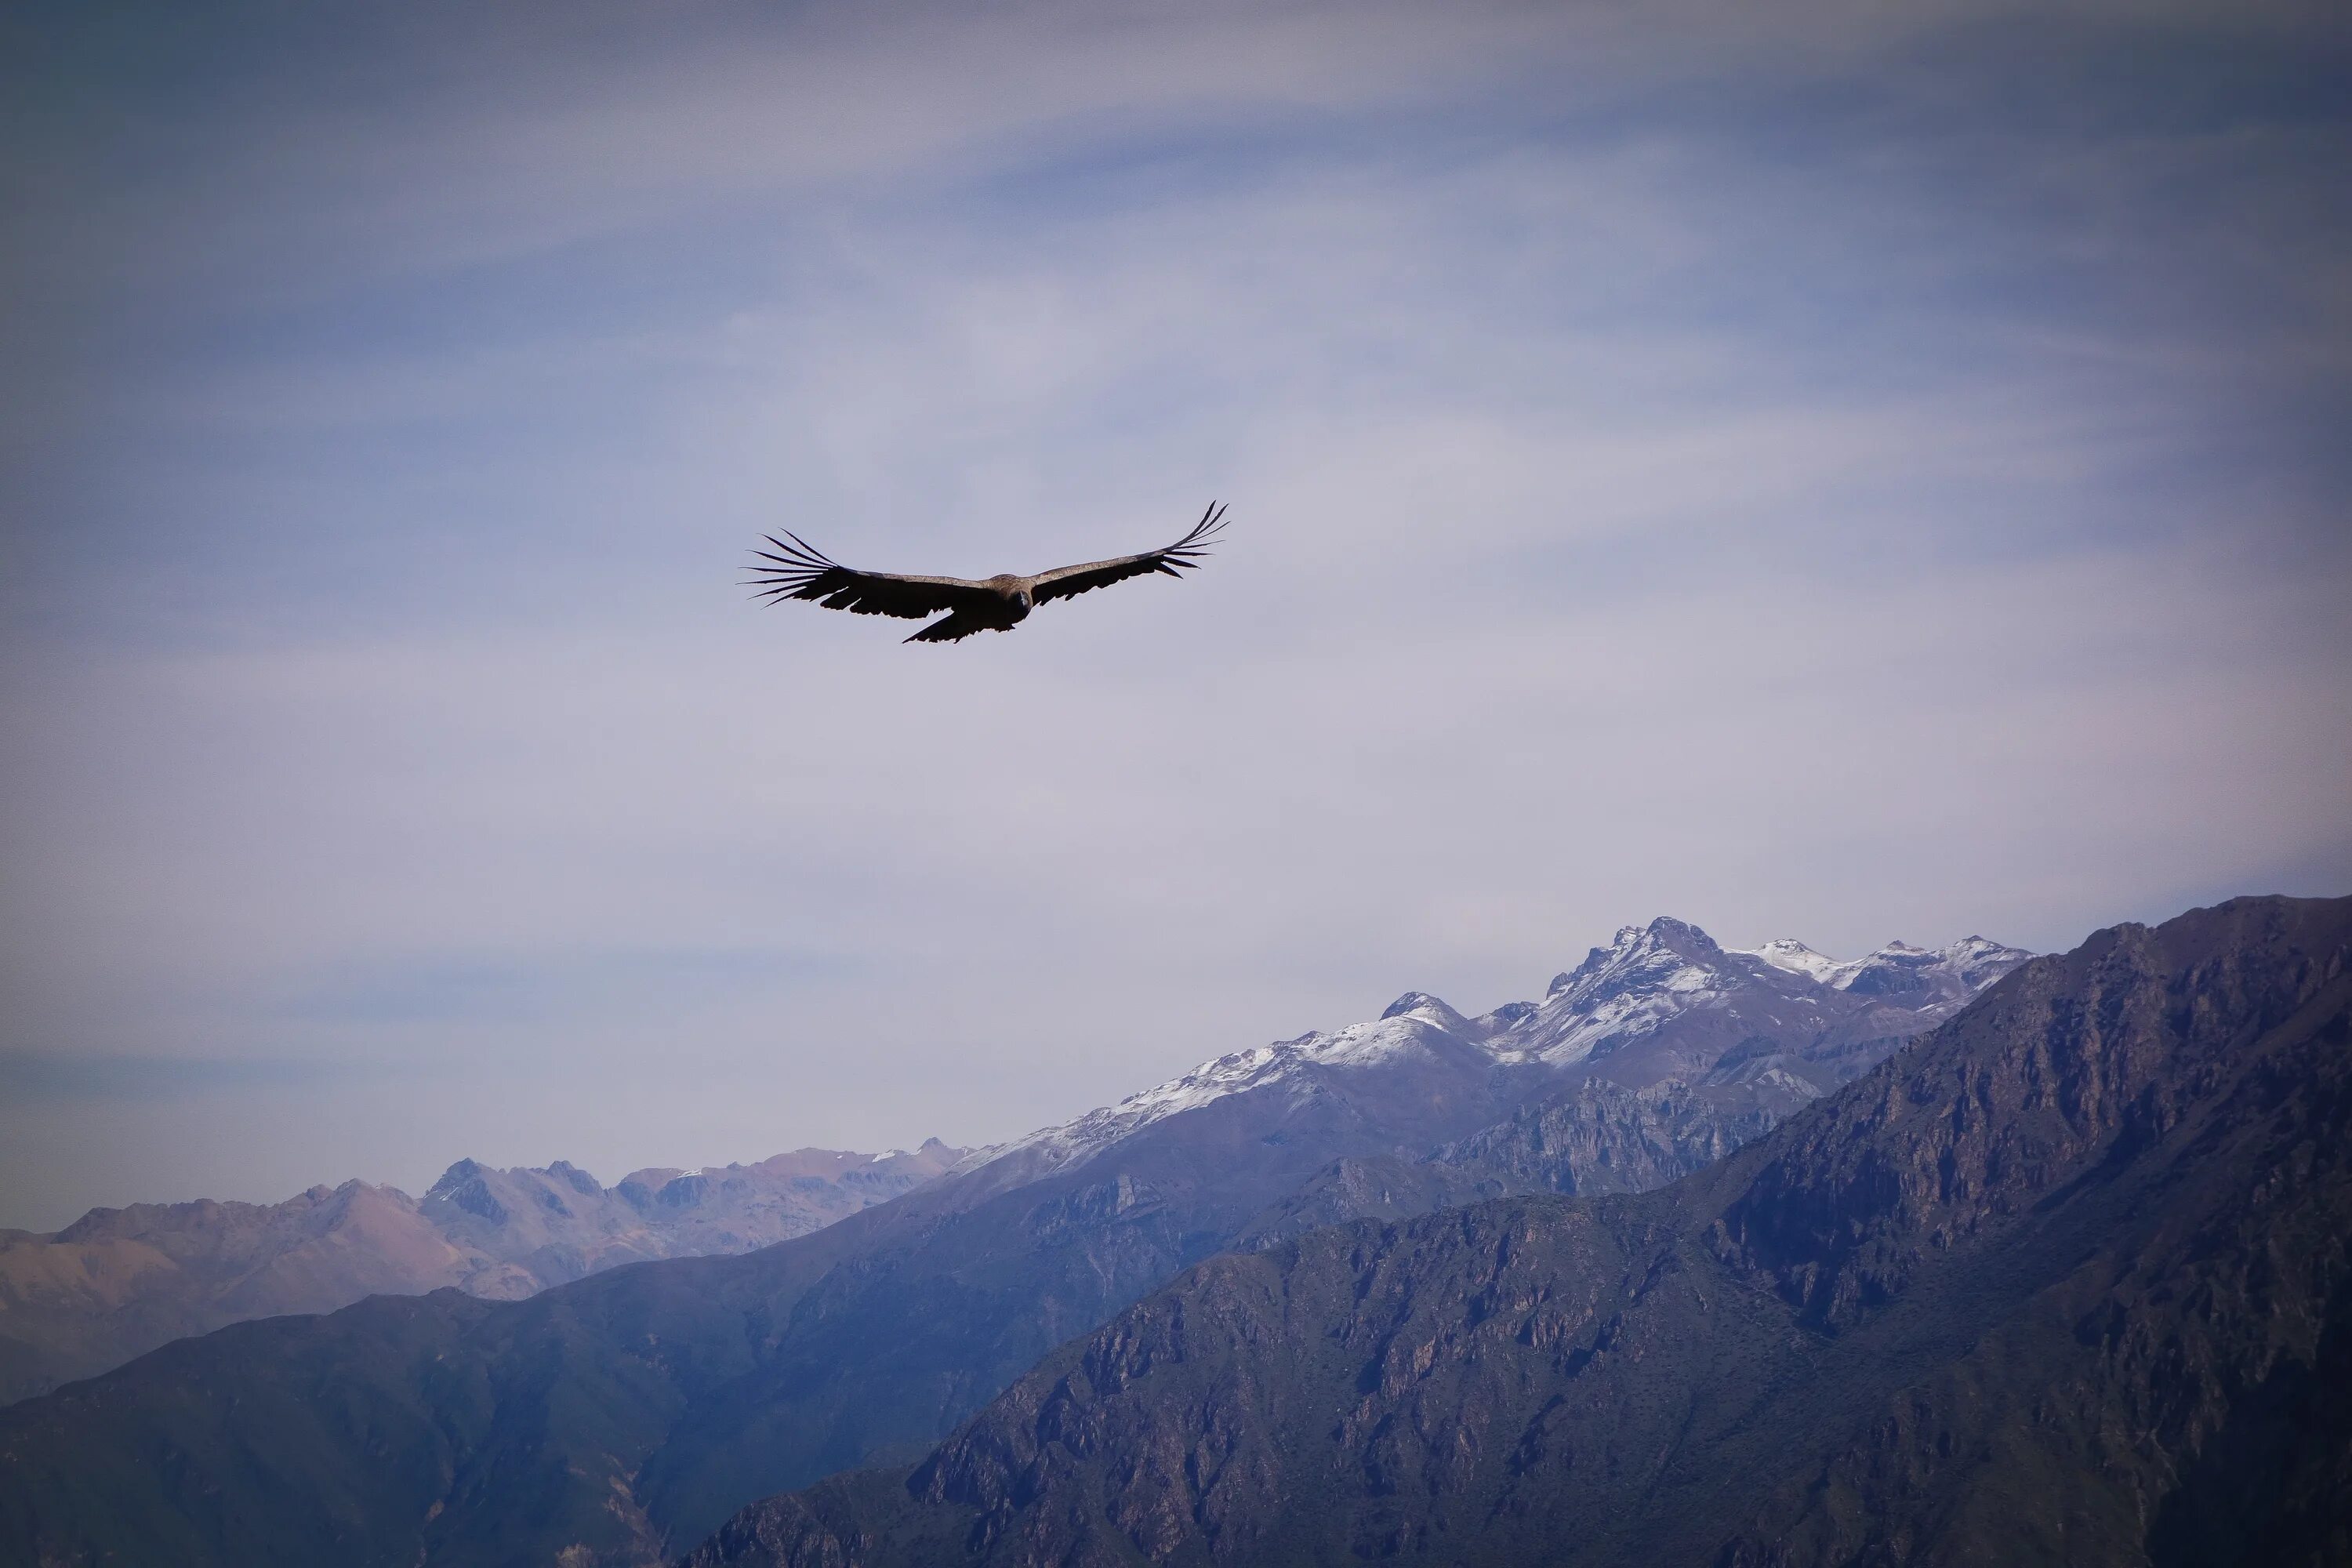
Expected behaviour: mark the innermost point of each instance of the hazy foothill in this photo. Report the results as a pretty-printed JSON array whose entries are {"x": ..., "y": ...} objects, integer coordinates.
[{"x": 119, "y": 1282}]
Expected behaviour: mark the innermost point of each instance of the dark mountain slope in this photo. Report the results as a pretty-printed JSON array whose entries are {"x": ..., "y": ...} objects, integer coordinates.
[{"x": 2069, "y": 1282}]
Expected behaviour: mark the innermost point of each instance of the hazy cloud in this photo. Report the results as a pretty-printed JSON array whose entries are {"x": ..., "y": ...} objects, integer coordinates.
[{"x": 1818, "y": 472}]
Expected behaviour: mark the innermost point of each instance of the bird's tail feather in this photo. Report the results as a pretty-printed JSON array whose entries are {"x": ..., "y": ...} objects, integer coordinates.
[{"x": 952, "y": 627}]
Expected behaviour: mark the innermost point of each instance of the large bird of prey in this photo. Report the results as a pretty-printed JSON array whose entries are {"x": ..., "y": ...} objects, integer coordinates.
[{"x": 995, "y": 604}]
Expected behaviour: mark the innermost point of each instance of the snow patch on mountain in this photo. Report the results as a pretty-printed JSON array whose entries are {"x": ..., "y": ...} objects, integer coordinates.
[
  {"x": 1925, "y": 976},
  {"x": 1358, "y": 1046},
  {"x": 1647, "y": 978},
  {"x": 1789, "y": 954}
]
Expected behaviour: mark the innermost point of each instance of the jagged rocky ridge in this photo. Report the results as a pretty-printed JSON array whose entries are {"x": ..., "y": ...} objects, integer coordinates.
[
  {"x": 2070, "y": 1281},
  {"x": 1662, "y": 1003},
  {"x": 621, "y": 1418},
  {"x": 119, "y": 1282}
]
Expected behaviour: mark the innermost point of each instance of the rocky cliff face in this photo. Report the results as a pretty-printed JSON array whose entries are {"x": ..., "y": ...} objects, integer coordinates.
[
  {"x": 1594, "y": 1137},
  {"x": 2071, "y": 1282},
  {"x": 120, "y": 1282}
]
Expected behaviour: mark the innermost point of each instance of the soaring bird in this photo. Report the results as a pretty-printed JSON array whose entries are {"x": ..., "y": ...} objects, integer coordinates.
[{"x": 995, "y": 604}]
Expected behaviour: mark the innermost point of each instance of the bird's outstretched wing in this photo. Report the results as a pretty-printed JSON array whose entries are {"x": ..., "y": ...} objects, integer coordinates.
[
  {"x": 1175, "y": 560},
  {"x": 800, "y": 572}
]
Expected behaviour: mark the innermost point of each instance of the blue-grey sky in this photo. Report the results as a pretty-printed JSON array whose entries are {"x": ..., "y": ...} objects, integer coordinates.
[{"x": 1837, "y": 471}]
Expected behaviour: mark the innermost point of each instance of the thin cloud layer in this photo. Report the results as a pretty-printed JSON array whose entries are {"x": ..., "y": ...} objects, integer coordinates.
[{"x": 1849, "y": 477}]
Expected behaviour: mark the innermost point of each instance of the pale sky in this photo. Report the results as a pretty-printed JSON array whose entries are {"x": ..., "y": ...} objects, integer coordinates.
[{"x": 1851, "y": 472}]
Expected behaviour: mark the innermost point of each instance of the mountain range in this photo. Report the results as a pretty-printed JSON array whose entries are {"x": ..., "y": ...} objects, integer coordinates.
[
  {"x": 2068, "y": 1282},
  {"x": 119, "y": 1282},
  {"x": 621, "y": 1418}
]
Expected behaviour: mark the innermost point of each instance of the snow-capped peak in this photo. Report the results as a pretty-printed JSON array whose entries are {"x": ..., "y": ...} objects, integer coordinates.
[
  {"x": 1645, "y": 979},
  {"x": 1919, "y": 975},
  {"x": 1632, "y": 947},
  {"x": 1980, "y": 961},
  {"x": 1422, "y": 1005},
  {"x": 1646, "y": 975},
  {"x": 1788, "y": 954},
  {"x": 1392, "y": 1034}
]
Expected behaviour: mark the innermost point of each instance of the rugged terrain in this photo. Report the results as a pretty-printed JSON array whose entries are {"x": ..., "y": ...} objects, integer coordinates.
[
  {"x": 621, "y": 1418},
  {"x": 2068, "y": 1282},
  {"x": 119, "y": 1282}
]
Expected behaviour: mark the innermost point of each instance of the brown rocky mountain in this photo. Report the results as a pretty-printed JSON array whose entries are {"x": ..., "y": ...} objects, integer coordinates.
[
  {"x": 119, "y": 1282},
  {"x": 2070, "y": 1281}
]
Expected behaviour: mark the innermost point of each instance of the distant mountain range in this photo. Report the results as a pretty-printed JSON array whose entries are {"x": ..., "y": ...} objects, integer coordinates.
[
  {"x": 621, "y": 1418},
  {"x": 2068, "y": 1282},
  {"x": 119, "y": 1282},
  {"x": 1661, "y": 1004}
]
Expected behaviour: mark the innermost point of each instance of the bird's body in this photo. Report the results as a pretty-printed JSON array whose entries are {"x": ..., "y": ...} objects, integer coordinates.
[
  {"x": 1014, "y": 602},
  {"x": 995, "y": 604}
]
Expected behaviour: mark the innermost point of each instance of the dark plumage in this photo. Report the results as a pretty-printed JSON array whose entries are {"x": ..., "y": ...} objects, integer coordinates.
[{"x": 964, "y": 605}]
